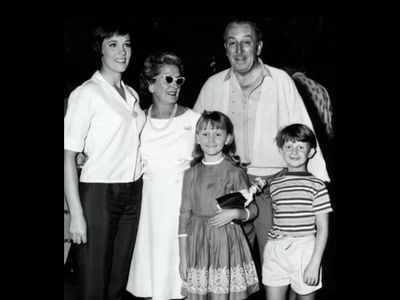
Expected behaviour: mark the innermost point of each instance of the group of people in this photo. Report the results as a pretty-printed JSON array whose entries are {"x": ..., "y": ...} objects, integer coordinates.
[{"x": 143, "y": 211}]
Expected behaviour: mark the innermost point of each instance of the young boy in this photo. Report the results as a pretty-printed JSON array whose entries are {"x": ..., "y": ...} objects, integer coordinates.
[{"x": 300, "y": 202}]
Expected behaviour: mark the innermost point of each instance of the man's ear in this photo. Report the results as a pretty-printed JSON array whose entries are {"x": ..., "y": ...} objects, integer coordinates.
[
  {"x": 151, "y": 87},
  {"x": 229, "y": 139},
  {"x": 259, "y": 47},
  {"x": 312, "y": 153}
]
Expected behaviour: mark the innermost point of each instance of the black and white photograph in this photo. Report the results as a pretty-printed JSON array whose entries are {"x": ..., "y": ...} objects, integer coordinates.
[{"x": 200, "y": 157}]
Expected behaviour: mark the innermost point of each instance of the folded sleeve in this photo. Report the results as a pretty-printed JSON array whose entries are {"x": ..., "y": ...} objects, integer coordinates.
[
  {"x": 244, "y": 183},
  {"x": 322, "y": 203},
  {"x": 77, "y": 119}
]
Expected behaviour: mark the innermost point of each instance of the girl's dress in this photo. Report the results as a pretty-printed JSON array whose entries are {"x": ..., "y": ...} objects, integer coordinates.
[
  {"x": 220, "y": 265},
  {"x": 166, "y": 154}
]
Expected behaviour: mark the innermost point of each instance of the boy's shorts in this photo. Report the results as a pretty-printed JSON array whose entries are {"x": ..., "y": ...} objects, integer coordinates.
[{"x": 285, "y": 261}]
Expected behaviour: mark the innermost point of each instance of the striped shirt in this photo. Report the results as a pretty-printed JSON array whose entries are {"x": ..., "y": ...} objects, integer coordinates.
[{"x": 296, "y": 198}]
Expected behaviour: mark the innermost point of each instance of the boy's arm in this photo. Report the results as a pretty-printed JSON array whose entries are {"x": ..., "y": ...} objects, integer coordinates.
[{"x": 311, "y": 273}]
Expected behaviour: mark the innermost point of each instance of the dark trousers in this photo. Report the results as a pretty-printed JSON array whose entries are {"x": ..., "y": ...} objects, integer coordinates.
[
  {"x": 112, "y": 212},
  {"x": 260, "y": 226},
  {"x": 257, "y": 230},
  {"x": 263, "y": 221}
]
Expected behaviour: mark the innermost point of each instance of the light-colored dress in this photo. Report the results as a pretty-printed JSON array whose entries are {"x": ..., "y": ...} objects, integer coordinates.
[{"x": 166, "y": 154}]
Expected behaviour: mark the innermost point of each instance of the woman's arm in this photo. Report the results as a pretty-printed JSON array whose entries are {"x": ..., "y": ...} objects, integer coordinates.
[
  {"x": 78, "y": 229},
  {"x": 185, "y": 213}
]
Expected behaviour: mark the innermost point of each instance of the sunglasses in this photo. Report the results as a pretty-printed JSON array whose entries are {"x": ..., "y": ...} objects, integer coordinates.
[{"x": 169, "y": 79}]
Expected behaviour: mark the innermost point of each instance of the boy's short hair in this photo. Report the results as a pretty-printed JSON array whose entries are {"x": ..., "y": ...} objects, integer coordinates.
[{"x": 296, "y": 132}]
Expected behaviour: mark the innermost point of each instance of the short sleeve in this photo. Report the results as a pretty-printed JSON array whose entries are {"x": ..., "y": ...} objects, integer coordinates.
[
  {"x": 77, "y": 119},
  {"x": 322, "y": 203}
]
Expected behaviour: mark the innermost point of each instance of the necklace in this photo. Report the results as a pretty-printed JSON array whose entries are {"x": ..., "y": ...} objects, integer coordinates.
[{"x": 171, "y": 117}]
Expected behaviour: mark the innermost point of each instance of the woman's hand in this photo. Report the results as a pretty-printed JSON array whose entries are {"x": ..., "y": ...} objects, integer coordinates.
[
  {"x": 223, "y": 217},
  {"x": 78, "y": 229}
]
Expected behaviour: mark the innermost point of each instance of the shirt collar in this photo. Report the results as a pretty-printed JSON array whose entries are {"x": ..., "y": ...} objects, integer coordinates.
[
  {"x": 131, "y": 99},
  {"x": 304, "y": 173},
  {"x": 264, "y": 69},
  {"x": 97, "y": 75}
]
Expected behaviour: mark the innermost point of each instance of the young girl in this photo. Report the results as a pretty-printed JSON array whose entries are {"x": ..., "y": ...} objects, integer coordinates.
[{"x": 215, "y": 259}]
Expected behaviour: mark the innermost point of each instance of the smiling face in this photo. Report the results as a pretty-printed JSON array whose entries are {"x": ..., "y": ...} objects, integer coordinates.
[
  {"x": 242, "y": 48},
  {"x": 116, "y": 52},
  {"x": 296, "y": 155},
  {"x": 161, "y": 90},
  {"x": 212, "y": 141}
]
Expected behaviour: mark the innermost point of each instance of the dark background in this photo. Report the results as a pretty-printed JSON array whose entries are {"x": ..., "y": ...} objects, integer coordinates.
[{"x": 304, "y": 43}]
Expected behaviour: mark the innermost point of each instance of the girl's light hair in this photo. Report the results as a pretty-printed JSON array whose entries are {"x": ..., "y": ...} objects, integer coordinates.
[{"x": 216, "y": 120}]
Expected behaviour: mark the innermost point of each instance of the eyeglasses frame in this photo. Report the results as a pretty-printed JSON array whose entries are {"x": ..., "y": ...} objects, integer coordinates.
[{"x": 174, "y": 79}]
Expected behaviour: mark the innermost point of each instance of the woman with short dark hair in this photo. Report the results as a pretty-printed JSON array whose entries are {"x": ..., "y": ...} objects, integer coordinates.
[{"x": 104, "y": 120}]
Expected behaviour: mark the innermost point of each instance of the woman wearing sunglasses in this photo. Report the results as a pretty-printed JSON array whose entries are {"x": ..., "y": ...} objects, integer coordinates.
[{"x": 167, "y": 141}]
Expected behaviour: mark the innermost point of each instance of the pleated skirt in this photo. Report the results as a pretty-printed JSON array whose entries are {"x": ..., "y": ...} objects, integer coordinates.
[{"x": 220, "y": 264}]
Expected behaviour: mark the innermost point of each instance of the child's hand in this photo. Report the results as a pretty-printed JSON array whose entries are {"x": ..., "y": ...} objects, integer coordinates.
[
  {"x": 248, "y": 196},
  {"x": 183, "y": 269},
  {"x": 311, "y": 274},
  {"x": 223, "y": 217}
]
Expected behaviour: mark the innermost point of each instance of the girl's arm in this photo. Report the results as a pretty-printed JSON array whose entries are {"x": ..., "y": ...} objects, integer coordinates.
[
  {"x": 183, "y": 257},
  {"x": 311, "y": 272},
  {"x": 78, "y": 229},
  {"x": 225, "y": 216},
  {"x": 253, "y": 211}
]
